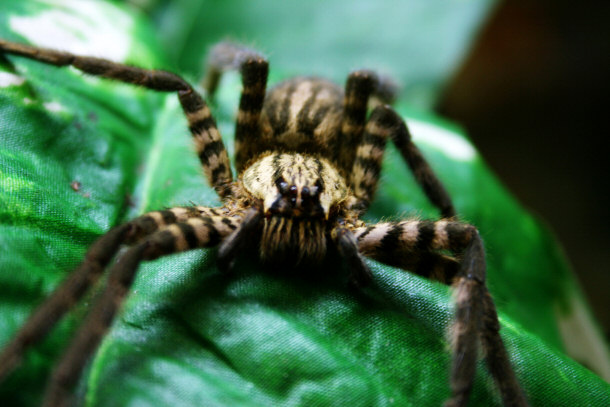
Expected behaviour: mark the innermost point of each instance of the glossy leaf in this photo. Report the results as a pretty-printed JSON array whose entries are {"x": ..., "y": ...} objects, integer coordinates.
[
  {"x": 79, "y": 155},
  {"x": 418, "y": 43}
]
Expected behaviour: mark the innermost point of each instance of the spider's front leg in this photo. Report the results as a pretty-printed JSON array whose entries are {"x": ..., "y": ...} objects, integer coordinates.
[
  {"x": 71, "y": 290},
  {"x": 195, "y": 232},
  {"x": 208, "y": 143},
  {"x": 397, "y": 243},
  {"x": 254, "y": 70},
  {"x": 364, "y": 164},
  {"x": 359, "y": 88}
]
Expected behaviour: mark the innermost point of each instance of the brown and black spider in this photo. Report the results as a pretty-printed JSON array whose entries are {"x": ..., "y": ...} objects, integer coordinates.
[{"x": 308, "y": 162}]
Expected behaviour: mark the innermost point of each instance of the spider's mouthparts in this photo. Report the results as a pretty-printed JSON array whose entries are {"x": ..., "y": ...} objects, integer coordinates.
[
  {"x": 293, "y": 240},
  {"x": 295, "y": 208}
]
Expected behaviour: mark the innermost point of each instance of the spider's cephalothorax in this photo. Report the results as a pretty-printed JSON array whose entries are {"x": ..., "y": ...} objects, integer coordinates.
[
  {"x": 297, "y": 193},
  {"x": 308, "y": 160}
]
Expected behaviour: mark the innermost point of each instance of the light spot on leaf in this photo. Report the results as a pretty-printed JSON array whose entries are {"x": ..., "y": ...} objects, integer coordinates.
[
  {"x": 8, "y": 79},
  {"x": 580, "y": 335},
  {"x": 450, "y": 143},
  {"x": 73, "y": 28},
  {"x": 54, "y": 107}
]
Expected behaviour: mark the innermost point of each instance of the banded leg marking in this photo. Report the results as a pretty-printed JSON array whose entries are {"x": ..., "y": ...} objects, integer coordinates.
[
  {"x": 476, "y": 317},
  {"x": 254, "y": 73},
  {"x": 177, "y": 237},
  {"x": 71, "y": 290},
  {"x": 254, "y": 70},
  {"x": 366, "y": 169},
  {"x": 358, "y": 88},
  {"x": 210, "y": 148},
  {"x": 412, "y": 245},
  {"x": 208, "y": 142},
  {"x": 152, "y": 79}
]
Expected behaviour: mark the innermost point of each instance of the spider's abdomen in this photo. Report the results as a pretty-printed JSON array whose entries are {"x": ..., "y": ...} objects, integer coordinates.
[{"x": 302, "y": 115}]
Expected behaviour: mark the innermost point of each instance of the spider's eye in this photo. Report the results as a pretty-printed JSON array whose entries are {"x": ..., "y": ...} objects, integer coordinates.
[
  {"x": 281, "y": 185},
  {"x": 293, "y": 190},
  {"x": 318, "y": 187},
  {"x": 305, "y": 193}
]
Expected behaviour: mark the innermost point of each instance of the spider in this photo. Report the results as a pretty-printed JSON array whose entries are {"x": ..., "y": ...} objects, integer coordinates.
[{"x": 309, "y": 163}]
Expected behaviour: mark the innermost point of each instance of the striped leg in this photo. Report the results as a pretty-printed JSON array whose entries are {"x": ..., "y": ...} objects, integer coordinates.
[
  {"x": 193, "y": 233},
  {"x": 475, "y": 318},
  {"x": 424, "y": 175},
  {"x": 364, "y": 164},
  {"x": 364, "y": 175},
  {"x": 254, "y": 70},
  {"x": 42, "y": 320},
  {"x": 385, "y": 123},
  {"x": 208, "y": 142},
  {"x": 359, "y": 87},
  {"x": 210, "y": 148}
]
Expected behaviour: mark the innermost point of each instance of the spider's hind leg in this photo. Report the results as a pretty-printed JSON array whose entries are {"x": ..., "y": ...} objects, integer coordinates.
[
  {"x": 192, "y": 233},
  {"x": 475, "y": 316},
  {"x": 254, "y": 70},
  {"x": 76, "y": 285}
]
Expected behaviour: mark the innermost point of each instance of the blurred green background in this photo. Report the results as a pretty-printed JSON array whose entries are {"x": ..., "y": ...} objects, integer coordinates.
[{"x": 533, "y": 95}]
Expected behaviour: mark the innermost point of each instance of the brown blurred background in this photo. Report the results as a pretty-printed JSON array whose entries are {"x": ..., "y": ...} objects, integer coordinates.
[{"x": 533, "y": 95}]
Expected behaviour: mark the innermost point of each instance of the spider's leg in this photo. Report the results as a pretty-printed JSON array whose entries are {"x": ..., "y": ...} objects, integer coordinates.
[
  {"x": 208, "y": 142},
  {"x": 475, "y": 314},
  {"x": 345, "y": 241},
  {"x": 384, "y": 122},
  {"x": 362, "y": 165},
  {"x": 496, "y": 356},
  {"x": 424, "y": 175},
  {"x": 428, "y": 264},
  {"x": 209, "y": 145},
  {"x": 88, "y": 272},
  {"x": 237, "y": 240},
  {"x": 254, "y": 70},
  {"x": 193, "y": 233},
  {"x": 359, "y": 87},
  {"x": 406, "y": 245},
  {"x": 364, "y": 174}
]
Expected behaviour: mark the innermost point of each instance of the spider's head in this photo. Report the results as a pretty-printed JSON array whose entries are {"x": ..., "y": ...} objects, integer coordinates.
[{"x": 295, "y": 185}]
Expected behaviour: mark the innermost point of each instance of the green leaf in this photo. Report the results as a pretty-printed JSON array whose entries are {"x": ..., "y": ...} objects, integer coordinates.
[
  {"x": 80, "y": 154},
  {"x": 419, "y": 43}
]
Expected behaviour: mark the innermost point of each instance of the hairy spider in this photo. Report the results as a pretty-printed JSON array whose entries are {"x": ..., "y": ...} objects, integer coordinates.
[{"x": 308, "y": 162}]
